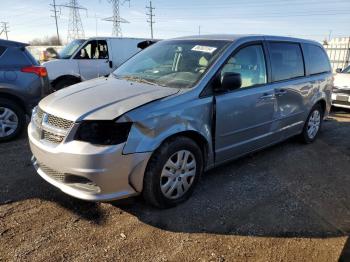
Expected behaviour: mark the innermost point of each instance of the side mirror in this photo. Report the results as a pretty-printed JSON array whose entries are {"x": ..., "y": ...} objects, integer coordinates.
[
  {"x": 339, "y": 70},
  {"x": 231, "y": 81}
]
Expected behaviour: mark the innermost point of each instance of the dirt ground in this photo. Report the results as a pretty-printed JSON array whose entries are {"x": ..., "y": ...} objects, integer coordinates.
[{"x": 290, "y": 202}]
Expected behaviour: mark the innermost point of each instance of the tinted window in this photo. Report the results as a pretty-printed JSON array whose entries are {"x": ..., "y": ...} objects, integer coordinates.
[
  {"x": 250, "y": 63},
  {"x": 318, "y": 60},
  {"x": 14, "y": 57},
  {"x": 2, "y": 50},
  {"x": 286, "y": 61}
]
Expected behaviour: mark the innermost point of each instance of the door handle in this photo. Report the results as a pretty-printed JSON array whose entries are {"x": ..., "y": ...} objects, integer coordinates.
[
  {"x": 267, "y": 96},
  {"x": 110, "y": 63},
  {"x": 280, "y": 92}
]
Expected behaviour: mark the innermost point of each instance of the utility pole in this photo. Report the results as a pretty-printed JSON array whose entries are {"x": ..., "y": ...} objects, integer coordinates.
[
  {"x": 199, "y": 30},
  {"x": 75, "y": 26},
  {"x": 5, "y": 29},
  {"x": 116, "y": 19},
  {"x": 55, "y": 16},
  {"x": 150, "y": 17}
]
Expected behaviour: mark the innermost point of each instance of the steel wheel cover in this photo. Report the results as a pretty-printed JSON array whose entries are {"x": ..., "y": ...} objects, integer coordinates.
[{"x": 178, "y": 174}]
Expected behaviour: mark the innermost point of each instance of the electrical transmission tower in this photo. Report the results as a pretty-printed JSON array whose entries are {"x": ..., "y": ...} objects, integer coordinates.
[
  {"x": 116, "y": 19},
  {"x": 55, "y": 11},
  {"x": 150, "y": 17},
  {"x": 4, "y": 29},
  {"x": 75, "y": 26}
]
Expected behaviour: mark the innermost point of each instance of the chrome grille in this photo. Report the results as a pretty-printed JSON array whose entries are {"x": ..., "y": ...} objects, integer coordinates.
[
  {"x": 50, "y": 137},
  {"x": 59, "y": 122},
  {"x": 52, "y": 173},
  {"x": 51, "y": 128}
]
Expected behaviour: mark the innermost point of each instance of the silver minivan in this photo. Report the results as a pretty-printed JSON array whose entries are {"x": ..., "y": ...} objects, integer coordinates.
[{"x": 177, "y": 109}]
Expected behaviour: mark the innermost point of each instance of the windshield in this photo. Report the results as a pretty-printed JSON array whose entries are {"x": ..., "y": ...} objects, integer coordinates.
[
  {"x": 174, "y": 63},
  {"x": 69, "y": 49}
]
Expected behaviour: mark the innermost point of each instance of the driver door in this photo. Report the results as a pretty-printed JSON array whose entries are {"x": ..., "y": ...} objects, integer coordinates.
[
  {"x": 93, "y": 59},
  {"x": 245, "y": 116}
]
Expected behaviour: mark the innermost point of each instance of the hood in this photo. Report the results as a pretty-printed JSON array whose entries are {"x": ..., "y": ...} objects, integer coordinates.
[
  {"x": 342, "y": 81},
  {"x": 101, "y": 99}
]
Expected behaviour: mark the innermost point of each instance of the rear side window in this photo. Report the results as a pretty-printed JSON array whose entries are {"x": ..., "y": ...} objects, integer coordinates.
[
  {"x": 14, "y": 57},
  {"x": 317, "y": 58},
  {"x": 286, "y": 61},
  {"x": 2, "y": 50}
]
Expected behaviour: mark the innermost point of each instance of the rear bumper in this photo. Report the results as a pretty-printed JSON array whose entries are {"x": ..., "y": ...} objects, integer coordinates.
[{"x": 88, "y": 172}]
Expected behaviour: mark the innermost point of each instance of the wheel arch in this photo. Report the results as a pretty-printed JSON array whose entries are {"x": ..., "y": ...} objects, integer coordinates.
[
  {"x": 72, "y": 77},
  {"x": 15, "y": 99}
]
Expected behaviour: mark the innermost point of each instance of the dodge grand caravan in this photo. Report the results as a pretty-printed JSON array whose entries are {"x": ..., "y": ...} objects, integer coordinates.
[{"x": 177, "y": 109}]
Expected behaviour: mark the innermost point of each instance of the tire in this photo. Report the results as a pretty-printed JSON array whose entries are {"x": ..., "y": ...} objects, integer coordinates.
[
  {"x": 307, "y": 136},
  {"x": 65, "y": 82},
  {"x": 10, "y": 113},
  {"x": 156, "y": 191}
]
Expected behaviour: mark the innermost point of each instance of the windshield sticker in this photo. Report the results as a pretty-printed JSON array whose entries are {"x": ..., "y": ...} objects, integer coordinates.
[{"x": 205, "y": 49}]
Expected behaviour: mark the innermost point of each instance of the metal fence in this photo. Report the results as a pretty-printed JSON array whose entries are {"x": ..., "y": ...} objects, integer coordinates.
[{"x": 338, "y": 50}]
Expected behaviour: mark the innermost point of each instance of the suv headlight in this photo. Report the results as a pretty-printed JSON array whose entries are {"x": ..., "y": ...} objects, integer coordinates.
[{"x": 103, "y": 132}]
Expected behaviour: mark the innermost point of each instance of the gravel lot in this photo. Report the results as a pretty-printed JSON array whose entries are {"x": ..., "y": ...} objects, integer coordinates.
[{"x": 290, "y": 202}]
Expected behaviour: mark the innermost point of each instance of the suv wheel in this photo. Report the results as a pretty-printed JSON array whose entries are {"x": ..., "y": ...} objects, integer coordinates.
[
  {"x": 173, "y": 172},
  {"x": 12, "y": 120},
  {"x": 313, "y": 124}
]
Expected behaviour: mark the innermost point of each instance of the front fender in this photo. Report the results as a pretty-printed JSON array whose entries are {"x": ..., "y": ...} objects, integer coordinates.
[{"x": 148, "y": 134}]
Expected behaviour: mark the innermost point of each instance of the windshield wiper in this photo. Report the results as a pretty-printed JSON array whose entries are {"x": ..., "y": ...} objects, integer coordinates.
[{"x": 138, "y": 79}]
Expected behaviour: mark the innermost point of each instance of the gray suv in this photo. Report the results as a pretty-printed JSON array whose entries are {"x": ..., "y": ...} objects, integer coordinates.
[
  {"x": 177, "y": 109},
  {"x": 23, "y": 83}
]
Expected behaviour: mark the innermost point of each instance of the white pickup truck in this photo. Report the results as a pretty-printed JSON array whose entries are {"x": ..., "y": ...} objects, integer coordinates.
[{"x": 83, "y": 59}]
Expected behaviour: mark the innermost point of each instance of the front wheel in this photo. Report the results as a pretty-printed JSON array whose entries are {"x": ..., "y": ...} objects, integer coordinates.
[
  {"x": 312, "y": 125},
  {"x": 173, "y": 172}
]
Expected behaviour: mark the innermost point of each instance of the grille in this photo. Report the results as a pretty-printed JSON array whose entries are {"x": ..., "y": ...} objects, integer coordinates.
[
  {"x": 50, "y": 137},
  {"x": 59, "y": 122},
  {"x": 52, "y": 173},
  {"x": 52, "y": 121}
]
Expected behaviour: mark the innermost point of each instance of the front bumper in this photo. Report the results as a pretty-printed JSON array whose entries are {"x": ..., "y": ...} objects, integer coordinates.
[
  {"x": 341, "y": 99},
  {"x": 89, "y": 172}
]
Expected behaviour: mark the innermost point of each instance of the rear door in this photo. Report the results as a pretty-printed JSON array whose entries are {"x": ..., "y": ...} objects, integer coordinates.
[
  {"x": 290, "y": 85},
  {"x": 244, "y": 117}
]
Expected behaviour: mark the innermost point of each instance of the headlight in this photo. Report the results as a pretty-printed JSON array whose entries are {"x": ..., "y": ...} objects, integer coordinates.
[
  {"x": 103, "y": 132},
  {"x": 34, "y": 112}
]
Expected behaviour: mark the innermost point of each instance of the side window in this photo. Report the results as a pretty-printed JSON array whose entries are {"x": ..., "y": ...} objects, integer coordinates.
[
  {"x": 318, "y": 59},
  {"x": 2, "y": 50},
  {"x": 250, "y": 63},
  {"x": 88, "y": 51},
  {"x": 102, "y": 50},
  {"x": 286, "y": 61}
]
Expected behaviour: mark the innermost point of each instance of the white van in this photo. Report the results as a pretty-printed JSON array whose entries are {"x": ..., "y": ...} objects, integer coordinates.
[{"x": 84, "y": 59}]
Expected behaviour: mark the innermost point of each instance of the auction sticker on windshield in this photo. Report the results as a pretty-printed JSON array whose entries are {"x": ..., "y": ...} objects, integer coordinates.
[{"x": 205, "y": 49}]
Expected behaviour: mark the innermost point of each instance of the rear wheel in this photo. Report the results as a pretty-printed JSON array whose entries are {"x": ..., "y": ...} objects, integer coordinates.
[
  {"x": 173, "y": 172},
  {"x": 12, "y": 120},
  {"x": 313, "y": 124}
]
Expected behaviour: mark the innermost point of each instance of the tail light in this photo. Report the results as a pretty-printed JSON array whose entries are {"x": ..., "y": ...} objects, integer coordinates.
[{"x": 38, "y": 70}]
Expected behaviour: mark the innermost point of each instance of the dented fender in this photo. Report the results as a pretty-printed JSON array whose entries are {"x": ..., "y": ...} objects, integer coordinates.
[{"x": 152, "y": 127}]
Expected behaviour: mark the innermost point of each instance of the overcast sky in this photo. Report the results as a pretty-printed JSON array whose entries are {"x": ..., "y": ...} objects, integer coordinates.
[{"x": 313, "y": 19}]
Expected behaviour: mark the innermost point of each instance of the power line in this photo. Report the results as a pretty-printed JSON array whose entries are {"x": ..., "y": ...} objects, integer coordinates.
[
  {"x": 116, "y": 19},
  {"x": 5, "y": 29},
  {"x": 75, "y": 26},
  {"x": 150, "y": 17},
  {"x": 55, "y": 16}
]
